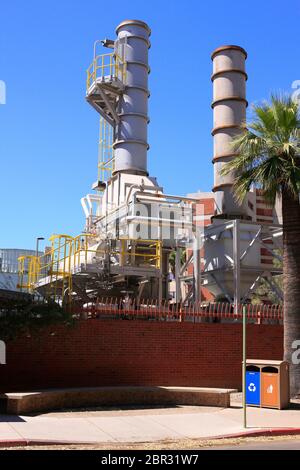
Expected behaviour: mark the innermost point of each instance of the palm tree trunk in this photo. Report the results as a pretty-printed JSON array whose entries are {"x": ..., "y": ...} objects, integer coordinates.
[{"x": 291, "y": 283}]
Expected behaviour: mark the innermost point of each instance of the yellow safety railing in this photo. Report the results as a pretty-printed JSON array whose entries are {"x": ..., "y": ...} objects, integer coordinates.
[
  {"x": 132, "y": 252},
  {"x": 27, "y": 272},
  {"x": 106, "y": 161},
  {"x": 82, "y": 248},
  {"x": 56, "y": 268},
  {"x": 53, "y": 270},
  {"x": 106, "y": 65},
  {"x": 140, "y": 252}
]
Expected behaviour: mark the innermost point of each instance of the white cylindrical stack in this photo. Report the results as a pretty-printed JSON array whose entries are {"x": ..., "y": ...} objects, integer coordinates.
[
  {"x": 229, "y": 110},
  {"x": 130, "y": 145}
]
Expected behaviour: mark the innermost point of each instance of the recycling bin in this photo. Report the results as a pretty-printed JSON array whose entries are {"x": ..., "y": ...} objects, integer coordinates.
[
  {"x": 270, "y": 387},
  {"x": 267, "y": 383},
  {"x": 253, "y": 385},
  {"x": 275, "y": 386}
]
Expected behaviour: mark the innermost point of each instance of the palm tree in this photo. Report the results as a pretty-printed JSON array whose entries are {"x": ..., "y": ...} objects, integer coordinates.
[{"x": 269, "y": 158}]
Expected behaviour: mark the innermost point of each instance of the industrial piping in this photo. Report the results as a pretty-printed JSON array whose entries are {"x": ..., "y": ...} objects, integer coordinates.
[{"x": 229, "y": 111}]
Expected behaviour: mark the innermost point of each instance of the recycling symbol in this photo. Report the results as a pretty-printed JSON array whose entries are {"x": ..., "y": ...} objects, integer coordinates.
[{"x": 251, "y": 387}]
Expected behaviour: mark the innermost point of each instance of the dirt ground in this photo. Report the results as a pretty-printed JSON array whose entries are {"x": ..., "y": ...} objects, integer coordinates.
[{"x": 188, "y": 444}]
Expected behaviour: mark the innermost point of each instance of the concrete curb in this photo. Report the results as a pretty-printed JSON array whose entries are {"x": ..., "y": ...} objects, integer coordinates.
[
  {"x": 255, "y": 433},
  {"x": 13, "y": 443},
  {"x": 39, "y": 442},
  {"x": 259, "y": 433}
]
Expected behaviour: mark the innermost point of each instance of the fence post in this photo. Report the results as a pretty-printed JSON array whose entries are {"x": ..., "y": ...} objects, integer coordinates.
[{"x": 244, "y": 366}]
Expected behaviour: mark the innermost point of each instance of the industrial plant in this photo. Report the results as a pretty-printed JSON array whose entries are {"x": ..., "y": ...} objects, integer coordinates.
[{"x": 132, "y": 227}]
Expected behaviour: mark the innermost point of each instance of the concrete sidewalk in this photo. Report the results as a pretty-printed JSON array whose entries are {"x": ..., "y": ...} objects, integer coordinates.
[{"x": 143, "y": 425}]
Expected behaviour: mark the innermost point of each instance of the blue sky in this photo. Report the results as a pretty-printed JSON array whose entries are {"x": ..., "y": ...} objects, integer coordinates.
[{"x": 49, "y": 133}]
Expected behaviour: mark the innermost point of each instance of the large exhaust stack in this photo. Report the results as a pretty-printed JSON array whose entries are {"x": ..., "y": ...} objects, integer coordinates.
[
  {"x": 232, "y": 257},
  {"x": 130, "y": 145},
  {"x": 229, "y": 111}
]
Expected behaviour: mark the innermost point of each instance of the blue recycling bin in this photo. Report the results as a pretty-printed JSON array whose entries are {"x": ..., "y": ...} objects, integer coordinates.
[{"x": 253, "y": 385}]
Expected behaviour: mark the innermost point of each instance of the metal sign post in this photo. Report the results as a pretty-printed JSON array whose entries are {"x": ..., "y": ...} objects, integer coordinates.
[
  {"x": 237, "y": 299},
  {"x": 244, "y": 366}
]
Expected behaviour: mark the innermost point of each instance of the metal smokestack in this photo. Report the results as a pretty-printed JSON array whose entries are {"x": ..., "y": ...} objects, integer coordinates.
[
  {"x": 130, "y": 145},
  {"x": 229, "y": 110}
]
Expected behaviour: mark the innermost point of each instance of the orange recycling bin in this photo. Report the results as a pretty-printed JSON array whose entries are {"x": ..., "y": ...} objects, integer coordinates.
[
  {"x": 270, "y": 387},
  {"x": 274, "y": 383}
]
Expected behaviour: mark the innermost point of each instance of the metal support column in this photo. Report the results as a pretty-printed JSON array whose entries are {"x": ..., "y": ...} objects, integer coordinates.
[
  {"x": 197, "y": 269},
  {"x": 236, "y": 264},
  {"x": 160, "y": 279},
  {"x": 177, "y": 274},
  {"x": 244, "y": 366}
]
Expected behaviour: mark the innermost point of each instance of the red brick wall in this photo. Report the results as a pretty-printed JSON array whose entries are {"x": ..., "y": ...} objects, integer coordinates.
[
  {"x": 264, "y": 211},
  {"x": 120, "y": 352},
  {"x": 205, "y": 207}
]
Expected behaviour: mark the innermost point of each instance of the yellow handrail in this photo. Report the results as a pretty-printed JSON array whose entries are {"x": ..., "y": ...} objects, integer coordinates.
[
  {"x": 27, "y": 269},
  {"x": 106, "y": 65},
  {"x": 68, "y": 253},
  {"x": 106, "y": 161}
]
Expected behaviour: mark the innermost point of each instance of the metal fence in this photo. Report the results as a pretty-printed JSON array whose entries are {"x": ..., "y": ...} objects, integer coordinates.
[{"x": 151, "y": 310}]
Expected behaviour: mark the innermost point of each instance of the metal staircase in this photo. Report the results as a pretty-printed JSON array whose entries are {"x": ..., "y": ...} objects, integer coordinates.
[{"x": 106, "y": 81}]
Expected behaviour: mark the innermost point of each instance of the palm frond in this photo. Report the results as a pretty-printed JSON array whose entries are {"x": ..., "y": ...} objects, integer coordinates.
[{"x": 268, "y": 150}]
